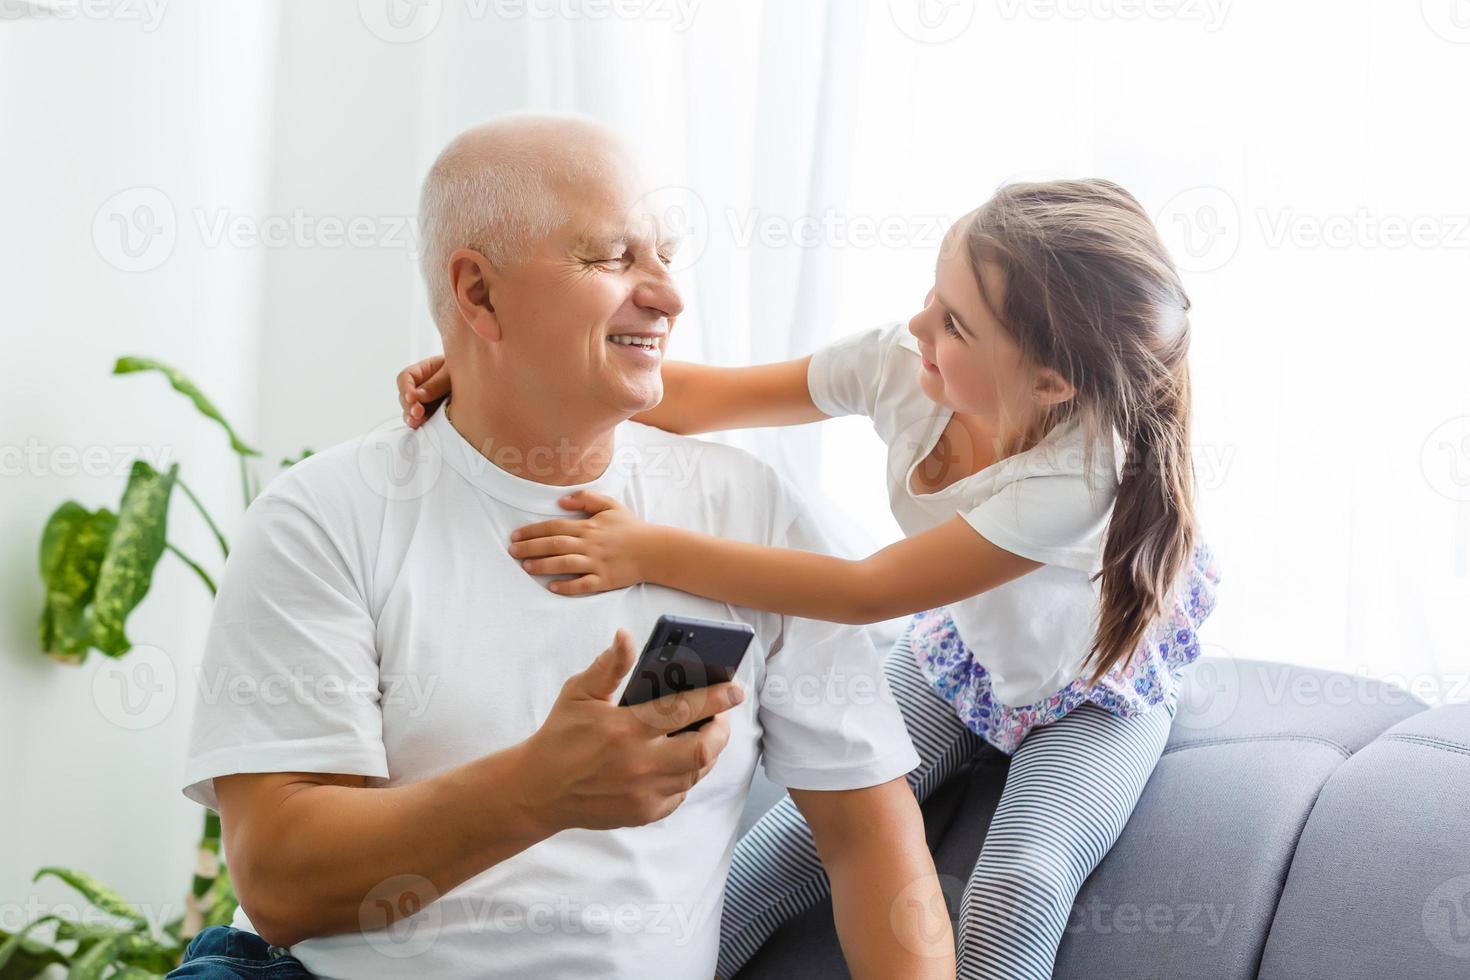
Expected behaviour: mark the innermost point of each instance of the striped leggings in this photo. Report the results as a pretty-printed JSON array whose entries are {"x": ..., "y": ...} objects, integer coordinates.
[{"x": 1071, "y": 787}]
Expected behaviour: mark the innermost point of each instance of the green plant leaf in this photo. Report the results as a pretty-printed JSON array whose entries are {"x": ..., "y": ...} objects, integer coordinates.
[
  {"x": 22, "y": 957},
  {"x": 73, "y": 547},
  {"x": 137, "y": 544},
  {"x": 95, "y": 892},
  {"x": 222, "y": 901},
  {"x": 132, "y": 943},
  {"x": 145, "y": 953},
  {"x": 292, "y": 461},
  {"x": 95, "y": 961},
  {"x": 187, "y": 388}
]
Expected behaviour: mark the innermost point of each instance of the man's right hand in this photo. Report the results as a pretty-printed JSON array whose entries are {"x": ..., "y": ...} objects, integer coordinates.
[{"x": 596, "y": 765}]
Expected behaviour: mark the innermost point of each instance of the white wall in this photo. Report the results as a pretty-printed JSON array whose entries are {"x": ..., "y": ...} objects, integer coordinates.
[{"x": 93, "y": 107}]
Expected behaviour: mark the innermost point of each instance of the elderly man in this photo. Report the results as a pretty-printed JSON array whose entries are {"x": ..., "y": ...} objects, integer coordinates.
[{"x": 440, "y": 785}]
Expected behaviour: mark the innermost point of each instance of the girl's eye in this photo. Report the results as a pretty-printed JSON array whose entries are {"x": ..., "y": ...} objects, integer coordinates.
[{"x": 949, "y": 326}]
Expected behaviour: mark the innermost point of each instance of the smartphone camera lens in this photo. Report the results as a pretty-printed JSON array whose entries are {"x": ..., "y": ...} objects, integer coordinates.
[{"x": 667, "y": 653}]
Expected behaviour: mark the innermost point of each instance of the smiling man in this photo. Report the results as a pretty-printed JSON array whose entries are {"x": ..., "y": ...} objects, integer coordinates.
[{"x": 509, "y": 819}]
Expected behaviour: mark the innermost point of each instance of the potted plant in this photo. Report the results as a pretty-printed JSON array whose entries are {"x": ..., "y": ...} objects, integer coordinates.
[{"x": 97, "y": 566}]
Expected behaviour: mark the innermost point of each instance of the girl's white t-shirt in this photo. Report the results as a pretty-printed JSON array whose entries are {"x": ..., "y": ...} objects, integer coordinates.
[{"x": 1050, "y": 504}]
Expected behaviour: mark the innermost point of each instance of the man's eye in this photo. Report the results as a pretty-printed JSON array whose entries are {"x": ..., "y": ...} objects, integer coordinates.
[{"x": 611, "y": 260}]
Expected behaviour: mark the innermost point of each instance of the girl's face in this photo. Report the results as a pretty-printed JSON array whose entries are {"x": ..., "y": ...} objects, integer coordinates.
[{"x": 970, "y": 363}]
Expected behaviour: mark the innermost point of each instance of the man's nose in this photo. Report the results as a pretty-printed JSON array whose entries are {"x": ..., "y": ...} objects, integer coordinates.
[{"x": 657, "y": 291}]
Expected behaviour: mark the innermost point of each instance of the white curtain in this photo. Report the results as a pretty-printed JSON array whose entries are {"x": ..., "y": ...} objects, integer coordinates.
[{"x": 1301, "y": 161}]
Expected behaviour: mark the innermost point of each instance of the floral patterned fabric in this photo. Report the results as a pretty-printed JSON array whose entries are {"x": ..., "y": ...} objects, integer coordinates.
[{"x": 1146, "y": 680}]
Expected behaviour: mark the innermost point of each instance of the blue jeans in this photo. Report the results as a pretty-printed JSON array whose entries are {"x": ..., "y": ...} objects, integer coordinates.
[{"x": 222, "y": 952}]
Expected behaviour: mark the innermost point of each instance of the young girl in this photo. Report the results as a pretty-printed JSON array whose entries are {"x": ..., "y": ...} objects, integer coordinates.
[{"x": 1036, "y": 413}]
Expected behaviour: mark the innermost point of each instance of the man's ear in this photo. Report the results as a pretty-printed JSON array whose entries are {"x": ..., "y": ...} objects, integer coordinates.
[
  {"x": 472, "y": 278},
  {"x": 1050, "y": 388}
]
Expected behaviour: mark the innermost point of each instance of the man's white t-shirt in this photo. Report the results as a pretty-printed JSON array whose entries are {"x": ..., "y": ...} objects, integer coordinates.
[
  {"x": 371, "y": 622},
  {"x": 1050, "y": 504}
]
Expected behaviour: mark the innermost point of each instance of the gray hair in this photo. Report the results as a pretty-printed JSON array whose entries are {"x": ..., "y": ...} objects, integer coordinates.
[{"x": 497, "y": 188}]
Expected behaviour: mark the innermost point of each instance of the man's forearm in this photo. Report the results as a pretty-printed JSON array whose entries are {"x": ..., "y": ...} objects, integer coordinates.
[
  {"x": 886, "y": 901},
  {"x": 330, "y": 858}
]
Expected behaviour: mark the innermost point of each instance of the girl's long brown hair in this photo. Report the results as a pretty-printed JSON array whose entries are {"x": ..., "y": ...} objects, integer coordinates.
[{"x": 1091, "y": 293}]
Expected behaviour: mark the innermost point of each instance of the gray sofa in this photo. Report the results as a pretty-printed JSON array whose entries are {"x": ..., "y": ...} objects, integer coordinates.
[{"x": 1300, "y": 825}]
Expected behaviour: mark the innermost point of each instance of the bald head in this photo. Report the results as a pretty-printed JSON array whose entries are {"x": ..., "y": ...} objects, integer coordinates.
[{"x": 501, "y": 186}]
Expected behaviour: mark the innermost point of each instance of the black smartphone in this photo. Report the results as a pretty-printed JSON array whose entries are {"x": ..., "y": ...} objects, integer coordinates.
[{"x": 682, "y": 654}]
